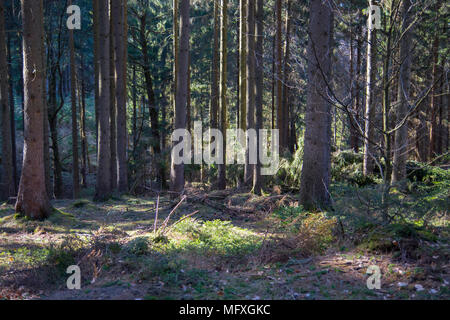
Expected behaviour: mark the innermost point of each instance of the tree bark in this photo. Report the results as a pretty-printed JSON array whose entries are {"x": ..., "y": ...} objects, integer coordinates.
[
  {"x": 73, "y": 99},
  {"x": 7, "y": 182},
  {"x": 103, "y": 187},
  {"x": 250, "y": 117},
  {"x": 118, "y": 17},
  {"x": 32, "y": 199},
  {"x": 401, "y": 135},
  {"x": 222, "y": 183},
  {"x": 315, "y": 176},
  {"x": 177, "y": 170},
  {"x": 243, "y": 63},
  {"x": 214, "y": 119},
  {"x": 369, "y": 115},
  {"x": 12, "y": 117},
  {"x": 281, "y": 122},
  {"x": 112, "y": 95},
  {"x": 259, "y": 85}
]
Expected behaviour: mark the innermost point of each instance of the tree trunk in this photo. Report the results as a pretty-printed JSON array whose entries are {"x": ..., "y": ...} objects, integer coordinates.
[
  {"x": 154, "y": 116},
  {"x": 259, "y": 84},
  {"x": 250, "y": 120},
  {"x": 112, "y": 95},
  {"x": 222, "y": 183},
  {"x": 48, "y": 180},
  {"x": 315, "y": 176},
  {"x": 96, "y": 65},
  {"x": 401, "y": 135},
  {"x": 103, "y": 187},
  {"x": 369, "y": 116},
  {"x": 32, "y": 199},
  {"x": 286, "y": 72},
  {"x": 73, "y": 99},
  {"x": 243, "y": 63},
  {"x": 118, "y": 19},
  {"x": 214, "y": 119},
  {"x": 177, "y": 170},
  {"x": 434, "y": 100},
  {"x": 12, "y": 117},
  {"x": 84, "y": 143},
  {"x": 281, "y": 122},
  {"x": 7, "y": 182}
]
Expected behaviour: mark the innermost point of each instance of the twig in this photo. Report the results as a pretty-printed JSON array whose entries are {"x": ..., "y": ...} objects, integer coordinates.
[
  {"x": 156, "y": 215},
  {"x": 164, "y": 225},
  {"x": 182, "y": 219}
]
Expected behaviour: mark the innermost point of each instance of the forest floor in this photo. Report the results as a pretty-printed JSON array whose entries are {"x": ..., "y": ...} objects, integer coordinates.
[{"x": 232, "y": 246}]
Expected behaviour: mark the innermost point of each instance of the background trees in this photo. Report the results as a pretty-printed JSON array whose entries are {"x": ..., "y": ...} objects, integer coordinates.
[{"x": 124, "y": 76}]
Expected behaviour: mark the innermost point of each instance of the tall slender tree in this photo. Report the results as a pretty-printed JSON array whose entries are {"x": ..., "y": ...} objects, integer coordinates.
[
  {"x": 369, "y": 115},
  {"x": 73, "y": 99},
  {"x": 103, "y": 187},
  {"x": 223, "y": 90},
  {"x": 401, "y": 135},
  {"x": 243, "y": 63},
  {"x": 118, "y": 19},
  {"x": 177, "y": 170},
  {"x": 281, "y": 122},
  {"x": 7, "y": 182},
  {"x": 250, "y": 119},
  {"x": 259, "y": 93}
]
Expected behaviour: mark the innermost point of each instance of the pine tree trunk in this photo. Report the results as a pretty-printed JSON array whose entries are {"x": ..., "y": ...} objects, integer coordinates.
[
  {"x": 118, "y": 19},
  {"x": 112, "y": 95},
  {"x": 215, "y": 70},
  {"x": 223, "y": 91},
  {"x": 401, "y": 135},
  {"x": 286, "y": 71},
  {"x": 278, "y": 74},
  {"x": 434, "y": 108},
  {"x": 369, "y": 115},
  {"x": 103, "y": 187},
  {"x": 259, "y": 96},
  {"x": 250, "y": 121},
  {"x": 32, "y": 199},
  {"x": 7, "y": 181},
  {"x": 73, "y": 99},
  {"x": 315, "y": 176},
  {"x": 177, "y": 170},
  {"x": 243, "y": 63},
  {"x": 96, "y": 64},
  {"x": 12, "y": 117}
]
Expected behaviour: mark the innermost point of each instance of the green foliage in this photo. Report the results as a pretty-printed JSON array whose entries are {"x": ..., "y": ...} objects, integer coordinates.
[
  {"x": 347, "y": 166},
  {"x": 138, "y": 246},
  {"x": 218, "y": 237}
]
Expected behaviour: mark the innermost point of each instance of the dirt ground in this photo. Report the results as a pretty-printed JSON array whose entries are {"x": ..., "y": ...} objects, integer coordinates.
[{"x": 225, "y": 250}]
